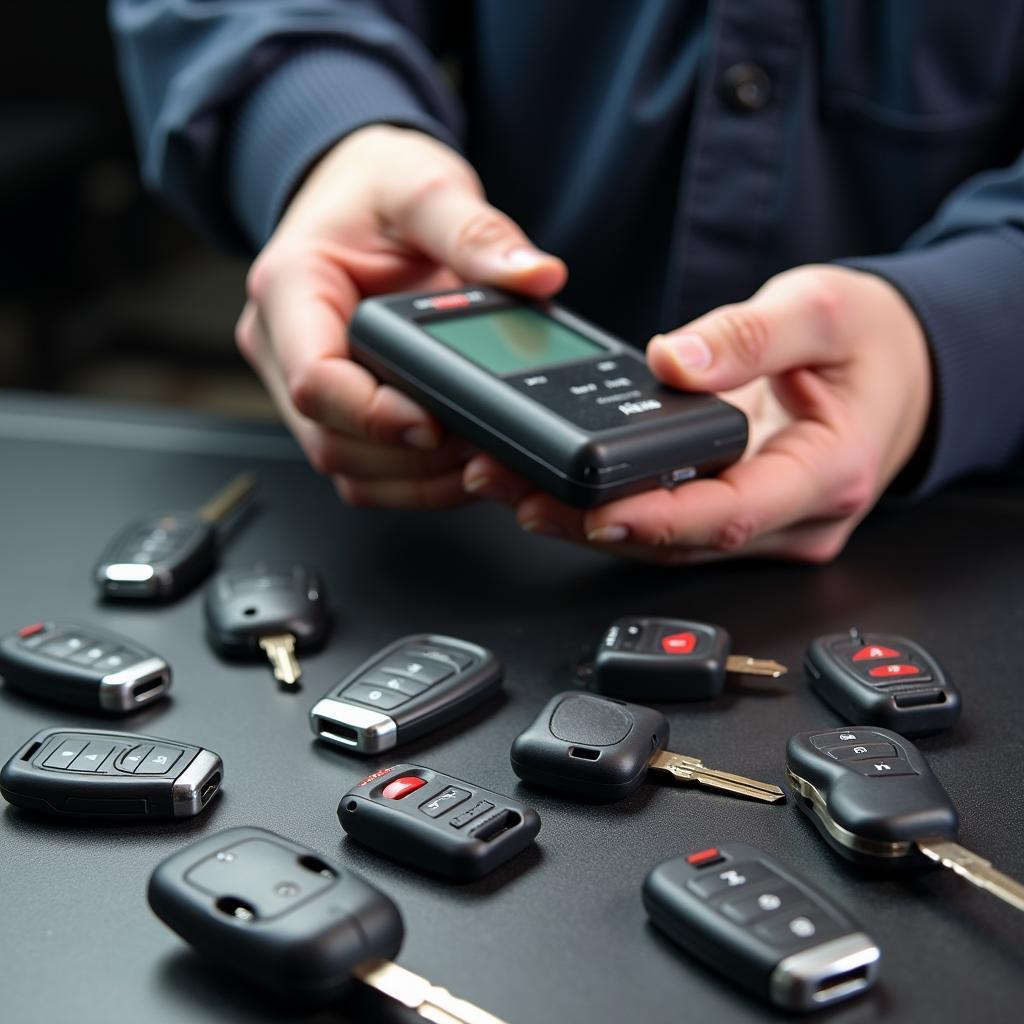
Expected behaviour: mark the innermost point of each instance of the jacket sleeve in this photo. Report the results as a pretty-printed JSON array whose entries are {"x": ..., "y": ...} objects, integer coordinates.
[
  {"x": 232, "y": 100},
  {"x": 963, "y": 275}
]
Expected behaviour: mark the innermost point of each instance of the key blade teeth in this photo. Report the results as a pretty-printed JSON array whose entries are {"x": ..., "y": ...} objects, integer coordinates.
[
  {"x": 974, "y": 869},
  {"x": 741, "y": 664},
  {"x": 691, "y": 769}
]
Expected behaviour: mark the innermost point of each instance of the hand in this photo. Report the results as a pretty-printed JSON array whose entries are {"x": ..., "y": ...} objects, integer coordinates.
[
  {"x": 387, "y": 209},
  {"x": 832, "y": 368}
]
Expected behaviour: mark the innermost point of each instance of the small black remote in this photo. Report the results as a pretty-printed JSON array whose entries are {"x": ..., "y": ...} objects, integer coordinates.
[
  {"x": 885, "y": 680},
  {"x": 279, "y": 610},
  {"x": 292, "y": 922},
  {"x": 414, "y": 685},
  {"x": 164, "y": 554},
  {"x": 745, "y": 914},
  {"x": 82, "y": 666},
  {"x": 436, "y": 822},
  {"x": 94, "y": 773}
]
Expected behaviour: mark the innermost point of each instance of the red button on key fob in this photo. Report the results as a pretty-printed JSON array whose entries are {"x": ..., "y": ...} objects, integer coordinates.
[
  {"x": 402, "y": 787},
  {"x": 896, "y": 670},
  {"x": 679, "y": 643},
  {"x": 874, "y": 652}
]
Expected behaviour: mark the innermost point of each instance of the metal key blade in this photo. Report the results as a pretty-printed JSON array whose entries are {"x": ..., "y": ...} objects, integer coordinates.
[
  {"x": 280, "y": 650},
  {"x": 975, "y": 869},
  {"x": 429, "y": 1001},
  {"x": 743, "y": 665},
  {"x": 227, "y": 499},
  {"x": 691, "y": 769}
]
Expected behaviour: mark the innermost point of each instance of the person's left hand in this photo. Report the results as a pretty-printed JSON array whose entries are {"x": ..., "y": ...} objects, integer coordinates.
[{"x": 832, "y": 368}]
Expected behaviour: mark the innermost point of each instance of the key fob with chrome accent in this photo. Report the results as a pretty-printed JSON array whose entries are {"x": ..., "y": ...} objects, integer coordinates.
[
  {"x": 414, "y": 685},
  {"x": 752, "y": 918},
  {"x": 94, "y": 773},
  {"x": 435, "y": 822},
  {"x": 82, "y": 666}
]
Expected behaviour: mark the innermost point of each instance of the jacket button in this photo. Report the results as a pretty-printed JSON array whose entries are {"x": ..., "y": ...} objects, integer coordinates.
[{"x": 747, "y": 87}]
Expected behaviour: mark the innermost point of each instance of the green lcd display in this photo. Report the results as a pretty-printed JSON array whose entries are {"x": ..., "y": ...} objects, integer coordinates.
[{"x": 512, "y": 340}]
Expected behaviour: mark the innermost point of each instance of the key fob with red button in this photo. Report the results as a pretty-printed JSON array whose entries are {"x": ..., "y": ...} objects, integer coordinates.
[
  {"x": 745, "y": 914},
  {"x": 885, "y": 680},
  {"x": 414, "y": 685},
  {"x": 437, "y": 823},
  {"x": 93, "y": 773},
  {"x": 83, "y": 667}
]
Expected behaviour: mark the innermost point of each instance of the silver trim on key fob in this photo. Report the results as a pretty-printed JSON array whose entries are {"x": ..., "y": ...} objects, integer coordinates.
[
  {"x": 801, "y": 981},
  {"x": 368, "y": 731},
  {"x": 191, "y": 790},
  {"x": 117, "y": 689}
]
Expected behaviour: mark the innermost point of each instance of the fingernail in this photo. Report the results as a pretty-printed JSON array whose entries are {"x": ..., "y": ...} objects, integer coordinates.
[
  {"x": 420, "y": 437},
  {"x": 484, "y": 487},
  {"x": 542, "y": 526},
  {"x": 522, "y": 257},
  {"x": 691, "y": 350},
  {"x": 614, "y": 534}
]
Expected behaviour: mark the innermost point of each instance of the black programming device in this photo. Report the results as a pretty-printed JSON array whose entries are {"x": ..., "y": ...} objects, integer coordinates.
[{"x": 555, "y": 398}]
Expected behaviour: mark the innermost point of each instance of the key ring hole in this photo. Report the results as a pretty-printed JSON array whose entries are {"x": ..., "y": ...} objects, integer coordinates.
[
  {"x": 250, "y": 611},
  {"x": 351, "y": 806}
]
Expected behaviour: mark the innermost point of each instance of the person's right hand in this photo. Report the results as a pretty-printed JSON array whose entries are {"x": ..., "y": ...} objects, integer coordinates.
[{"x": 387, "y": 209}]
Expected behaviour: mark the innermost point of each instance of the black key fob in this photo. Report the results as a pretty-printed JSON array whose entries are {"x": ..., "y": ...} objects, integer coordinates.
[
  {"x": 414, "y": 685},
  {"x": 158, "y": 557},
  {"x": 245, "y": 605},
  {"x": 885, "y": 680},
  {"x": 870, "y": 793},
  {"x": 748, "y": 916},
  {"x": 592, "y": 747},
  {"x": 275, "y": 912},
  {"x": 435, "y": 822},
  {"x": 82, "y": 666},
  {"x": 93, "y": 773}
]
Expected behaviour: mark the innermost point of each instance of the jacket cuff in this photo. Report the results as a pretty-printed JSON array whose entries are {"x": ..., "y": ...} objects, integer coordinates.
[
  {"x": 297, "y": 112},
  {"x": 967, "y": 294}
]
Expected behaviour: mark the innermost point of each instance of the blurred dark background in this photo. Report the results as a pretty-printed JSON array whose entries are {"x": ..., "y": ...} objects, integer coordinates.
[{"x": 103, "y": 291}]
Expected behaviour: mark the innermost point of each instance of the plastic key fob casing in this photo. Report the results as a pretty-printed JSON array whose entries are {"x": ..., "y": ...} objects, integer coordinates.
[
  {"x": 639, "y": 659},
  {"x": 870, "y": 793},
  {"x": 158, "y": 557},
  {"x": 287, "y": 919},
  {"x": 414, "y": 685},
  {"x": 243, "y": 605},
  {"x": 94, "y": 773},
  {"x": 748, "y": 916},
  {"x": 883, "y": 680},
  {"x": 591, "y": 747},
  {"x": 82, "y": 666},
  {"x": 435, "y": 822}
]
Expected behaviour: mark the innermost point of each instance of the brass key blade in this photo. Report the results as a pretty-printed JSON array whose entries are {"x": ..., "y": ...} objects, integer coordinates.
[
  {"x": 227, "y": 499},
  {"x": 975, "y": 869},
  {"x": 691, "y": 769},
  {"x": 742, "y": 665},
  {"x": 280, "y": 650},
  {"x": 429, "y": 1001}
]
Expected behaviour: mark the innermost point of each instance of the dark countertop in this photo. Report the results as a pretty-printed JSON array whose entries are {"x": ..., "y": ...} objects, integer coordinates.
[{"x": 559, "y": 934}]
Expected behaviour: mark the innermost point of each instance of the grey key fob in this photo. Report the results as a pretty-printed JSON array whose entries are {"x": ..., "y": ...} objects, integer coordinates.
[
  {"x": 275, "y": 912},
  {"x": 591, "y": 747},
  {"x": 94, "y": 773}
]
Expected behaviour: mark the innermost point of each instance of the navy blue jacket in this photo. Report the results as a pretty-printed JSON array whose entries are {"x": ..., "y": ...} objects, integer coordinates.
[{"x": 676, "y": 153}]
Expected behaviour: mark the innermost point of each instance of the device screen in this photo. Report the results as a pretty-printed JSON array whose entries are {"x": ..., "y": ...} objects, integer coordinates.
[{"x": 512, "y": 340}]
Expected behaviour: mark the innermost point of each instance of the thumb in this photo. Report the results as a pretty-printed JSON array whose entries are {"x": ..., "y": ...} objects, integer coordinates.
[
  {"x": 460, "y": 230},
  {"x": 794, "y": 321}
]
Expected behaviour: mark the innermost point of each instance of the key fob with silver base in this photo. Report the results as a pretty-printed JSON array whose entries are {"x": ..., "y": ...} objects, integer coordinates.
[
  {"x": 414, "y": 685},
  {"x": 93, "y": 773},
  {"x": 745, "y": 914}
]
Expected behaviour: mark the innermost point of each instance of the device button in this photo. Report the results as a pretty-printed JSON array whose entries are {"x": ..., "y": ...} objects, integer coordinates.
[
  {"x": 875, "y": 651},
  {"x": 27, "y": 631},
  {"x": 375, "y": 696},
  {"x": 65, "y": 753},
  {"x": 90, "y": 759},
  {"x": 704, "y": 858},
  {"x": 797, "y": 925},
  {"x": 474, "y": 812},
  {"x": 855, "y": 752},
  {"x": 159, "y": 761},
  {"x": 64, "y": 646},
  {"x": 828, "y": 740},
  {"x": 679, "y": 643},
  {"x": 131, "y": 759},
  {"x": 426, "y": 670},
  {"x": 882, "y": 767},
  {"x": 114, "y": 661},
  {"x": 732, "y": 877},
  {"x": 398, "y": 789},
  {"x": 382, "y": 679},
  {"x": 92, "y": 654},
  {"x": 444, "y": 801},
  {"x": 579, "y": 390},
  {"x": 747, "y": 87},
  {"x": 445, "y": 655},
  {"x": 751, "y": 907},
  {"x": 900, "y": 671}
]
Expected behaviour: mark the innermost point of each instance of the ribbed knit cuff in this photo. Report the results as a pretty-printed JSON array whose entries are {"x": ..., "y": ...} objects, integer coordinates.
[
  {"x": 968, "y": 293},
  {"x": 299, "y": 110}
]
